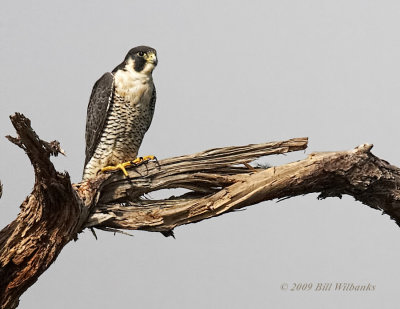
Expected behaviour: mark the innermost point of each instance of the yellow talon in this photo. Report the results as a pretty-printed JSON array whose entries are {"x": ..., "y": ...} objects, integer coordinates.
[
  {"x": 122, "y": 166},
  {"x": 141, "y": 160}
]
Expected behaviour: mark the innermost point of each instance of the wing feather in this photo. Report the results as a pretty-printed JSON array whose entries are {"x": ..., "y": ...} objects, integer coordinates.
[
  {"x": 97, "y": 111},
  {"x": 152, "y": 106}
]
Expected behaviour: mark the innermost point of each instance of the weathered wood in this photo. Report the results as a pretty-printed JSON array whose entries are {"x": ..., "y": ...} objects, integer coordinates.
[
  {"x": 357, "y": 172},
  {"x": 220, "y": 180},
  {"x": 47, "y": 220}
]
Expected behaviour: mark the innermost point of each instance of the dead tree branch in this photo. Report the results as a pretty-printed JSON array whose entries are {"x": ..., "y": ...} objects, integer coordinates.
[{"x": 219, "y": 180}]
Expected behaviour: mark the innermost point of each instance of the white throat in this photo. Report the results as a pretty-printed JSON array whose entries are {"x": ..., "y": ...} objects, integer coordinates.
[{"x": 129, "y": 81}]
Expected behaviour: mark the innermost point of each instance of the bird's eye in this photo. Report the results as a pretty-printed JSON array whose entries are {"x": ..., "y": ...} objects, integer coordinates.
[{"x": 141, "y": 54}]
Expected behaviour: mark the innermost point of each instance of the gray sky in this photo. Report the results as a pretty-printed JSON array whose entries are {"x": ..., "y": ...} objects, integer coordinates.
[{"x": 229, "y": 73}]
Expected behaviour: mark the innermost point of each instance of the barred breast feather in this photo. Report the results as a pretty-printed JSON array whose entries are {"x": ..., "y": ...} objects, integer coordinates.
[{"x": 120, "y": 112}]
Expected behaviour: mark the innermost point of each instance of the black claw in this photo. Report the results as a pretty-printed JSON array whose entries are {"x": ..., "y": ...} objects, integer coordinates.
[
  {"x": 158, "y": 163},
  {"x": 145, "y": 164}
]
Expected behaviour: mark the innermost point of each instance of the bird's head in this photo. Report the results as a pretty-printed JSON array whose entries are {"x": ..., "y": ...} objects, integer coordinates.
[{"x": 142, "y": 59}]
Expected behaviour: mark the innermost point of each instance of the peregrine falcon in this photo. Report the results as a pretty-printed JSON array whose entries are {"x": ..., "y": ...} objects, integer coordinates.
[{"x": 119, "y": 113}]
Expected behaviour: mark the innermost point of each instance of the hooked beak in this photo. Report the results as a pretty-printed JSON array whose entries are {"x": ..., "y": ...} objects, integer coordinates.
[{"x": 151, "y": 58}]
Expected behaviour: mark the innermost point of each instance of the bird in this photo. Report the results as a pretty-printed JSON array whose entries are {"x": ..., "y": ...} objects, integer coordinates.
[{"x": 119, "y": 113}]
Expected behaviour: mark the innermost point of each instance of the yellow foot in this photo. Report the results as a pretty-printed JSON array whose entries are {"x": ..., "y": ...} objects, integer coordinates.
[
  {"x": 122, "y": 166},
  {"x": 142, "y": 160}
]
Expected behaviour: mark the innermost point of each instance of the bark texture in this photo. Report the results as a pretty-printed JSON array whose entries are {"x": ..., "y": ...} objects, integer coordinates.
[{"x": 219, "y": 180}]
